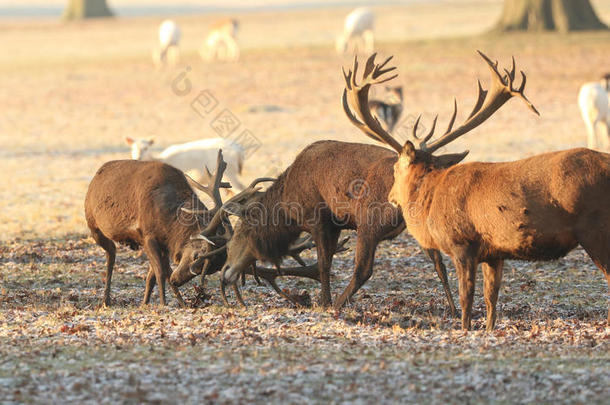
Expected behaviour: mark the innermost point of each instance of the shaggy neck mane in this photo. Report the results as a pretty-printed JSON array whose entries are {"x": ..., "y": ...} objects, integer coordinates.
[{"x": 270, "y": 229}]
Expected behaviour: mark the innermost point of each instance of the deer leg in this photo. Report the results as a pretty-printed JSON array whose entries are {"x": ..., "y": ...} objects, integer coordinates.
[
  {"x": 466, "y": 266},
  {"x": 326, "y": 244},
  {"x": 365, "y": 255},
  {"x": 155, "y": 256},
  {"x": 441, "y": 270},
  {"x": 492, "y": 279},
  {"x": 150, "y": 284},
  {"x": 110, "y": 249}
]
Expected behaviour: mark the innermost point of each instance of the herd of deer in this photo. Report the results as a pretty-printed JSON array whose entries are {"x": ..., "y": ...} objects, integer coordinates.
[
  {"x": 221, "y": 41},
  {"x": 538, "y": 208}
]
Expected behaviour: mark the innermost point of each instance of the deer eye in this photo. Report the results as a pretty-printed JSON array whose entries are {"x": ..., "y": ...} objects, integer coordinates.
[{"x": 196, "y": 255}]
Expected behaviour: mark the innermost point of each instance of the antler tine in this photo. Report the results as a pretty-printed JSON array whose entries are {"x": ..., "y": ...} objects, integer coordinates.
[
  {"x": 420, "y": 142},
  {"x": 215, "y": 183},
  {"x": 414, "y": 130},
  {"x": 481, "y": 96},
  {"x": 521, "y": 95},
  {"x": 431, "y": 132},
  {"x": 355, "y": 97},
  {"x": 379, "y": 70},
  {"x": 493, "y": 67},
  {"x": 488, "y": 102},
  {"x": 454, "y": 115},
  {"x": 354, "y": 72},
  {"x": 369, "y": 67},
  {"x": 298, "y": 246}
]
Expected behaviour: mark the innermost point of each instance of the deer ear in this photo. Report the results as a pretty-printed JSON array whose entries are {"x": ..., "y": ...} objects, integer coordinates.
[
  {"x": 450, "y": 159},
  {"x": 129, "y": 140},
  {"x": 408, "y": 151}
]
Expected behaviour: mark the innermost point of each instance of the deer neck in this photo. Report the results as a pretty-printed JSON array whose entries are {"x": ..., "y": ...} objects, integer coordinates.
[
  {"x": 273, "y": 228},
  {"x": 149, "y": 157},
  {"x": 418, "y": 192}
]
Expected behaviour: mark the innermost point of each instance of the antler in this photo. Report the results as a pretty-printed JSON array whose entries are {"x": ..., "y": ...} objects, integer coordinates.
[
  {"x": 298, "y": 246},
  {"x": 214, "y": 185},
  {"x": 233, "y": 205},
  {"x": 356, "y": 97},
  {"x": 488, "y": 102}
]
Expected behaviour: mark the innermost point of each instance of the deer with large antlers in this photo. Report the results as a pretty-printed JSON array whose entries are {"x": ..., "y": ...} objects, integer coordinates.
[{"x": 538, "y": 208}]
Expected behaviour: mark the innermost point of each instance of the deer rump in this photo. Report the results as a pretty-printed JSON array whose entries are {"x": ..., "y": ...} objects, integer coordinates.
[{"x": 537, "y": 208}]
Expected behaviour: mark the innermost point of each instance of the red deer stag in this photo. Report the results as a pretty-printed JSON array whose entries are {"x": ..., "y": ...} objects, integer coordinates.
[
  {"x": 538, "y": 208},
  {"x": 138, "y": 204},
  {"x": 330, "y": 186}
]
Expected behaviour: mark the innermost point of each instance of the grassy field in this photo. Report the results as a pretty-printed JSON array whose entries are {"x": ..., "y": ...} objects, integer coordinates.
[{"x": 71, "y": 93}]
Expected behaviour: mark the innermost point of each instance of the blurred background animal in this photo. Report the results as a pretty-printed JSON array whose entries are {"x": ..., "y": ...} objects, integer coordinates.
[
  {"x": 595, "y": 110},
  {"x": 193, "y": 157},
  {"x": 168, "y": 52},
  {"x": 357, "y": 32},
  {"x": 389, "y": 110},
  {"x": 221, "y": 42}
]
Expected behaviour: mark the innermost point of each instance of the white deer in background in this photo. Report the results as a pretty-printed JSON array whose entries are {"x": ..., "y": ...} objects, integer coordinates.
[
  {"x": 357, "y": 32},
  {"x": 169, "y": 40},
  {"x": 221, "y": 42},
  {"x": 193, "y": 157},
  {"x": 593, "y": 100}
]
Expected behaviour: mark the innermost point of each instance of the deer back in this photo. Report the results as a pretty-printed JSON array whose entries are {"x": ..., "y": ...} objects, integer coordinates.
[
  {"x": 344, "y": 179},
  {"x": 129, "y": 199},
  {"x": 530, "y": 208}
]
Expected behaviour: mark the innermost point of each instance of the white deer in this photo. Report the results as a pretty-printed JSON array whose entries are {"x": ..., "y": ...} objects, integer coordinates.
[
  {"x": 193, "y": 157},
  {"x": 221, "y": 42},
  {"x": 169, "y": 40},
  {"x": 593, "y": 100},
  {"x": 357, "y": 29}
]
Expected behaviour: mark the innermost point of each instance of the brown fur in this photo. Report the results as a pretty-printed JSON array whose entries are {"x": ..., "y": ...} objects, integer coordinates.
[
  {"x": 319, "y": 194},
  {"x": 538, "y": 208},
  {"x": 138, "y": 204}
]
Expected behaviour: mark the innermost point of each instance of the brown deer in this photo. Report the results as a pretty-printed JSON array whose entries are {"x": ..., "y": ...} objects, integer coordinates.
[
  {"x": 139, "y": 204},
  {"x": 330, "y": 186},
  {"x": 538, "y": 208}
]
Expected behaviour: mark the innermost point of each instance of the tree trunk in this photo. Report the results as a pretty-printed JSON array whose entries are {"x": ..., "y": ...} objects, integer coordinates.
[
  {"x": 548, "y": 15},
  {"x": 78, "y": 9}
]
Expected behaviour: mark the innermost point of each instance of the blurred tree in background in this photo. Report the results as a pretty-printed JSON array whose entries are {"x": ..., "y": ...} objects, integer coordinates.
[
  {"x": 78, "y": 9},
  {"x": 549, "y": 15}
]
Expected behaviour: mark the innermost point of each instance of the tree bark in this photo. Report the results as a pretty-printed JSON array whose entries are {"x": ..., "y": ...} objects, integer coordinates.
[
  {"x": 549, "y": 15},
  {"x": 79, "y": 9}
]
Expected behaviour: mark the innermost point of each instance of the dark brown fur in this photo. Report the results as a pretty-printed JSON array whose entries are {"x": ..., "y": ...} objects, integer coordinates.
[
  {"x": 538, "y": 208},
  {"x": 138, "y": 204},
  {"x": 330, "y": 186}
]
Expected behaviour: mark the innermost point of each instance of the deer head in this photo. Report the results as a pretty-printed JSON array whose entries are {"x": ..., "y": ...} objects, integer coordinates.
[
  {"x": 419, "y": 150},
  {"x": 140, "y": 148}
]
